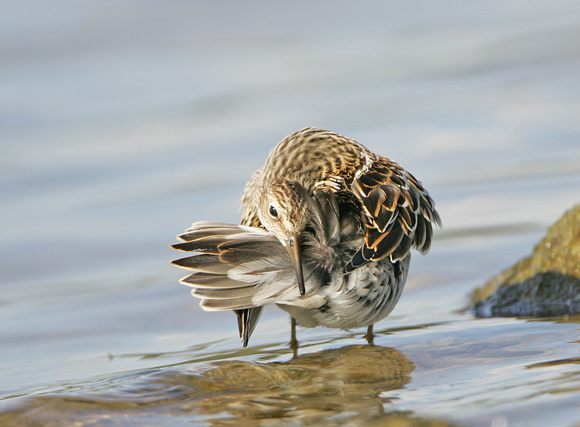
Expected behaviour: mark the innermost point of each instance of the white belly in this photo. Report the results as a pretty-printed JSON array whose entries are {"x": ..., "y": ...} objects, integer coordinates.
[{"x": 360, "y": 299}]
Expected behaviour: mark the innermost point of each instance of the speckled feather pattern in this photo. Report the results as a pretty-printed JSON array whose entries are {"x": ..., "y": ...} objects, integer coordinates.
[
  {"x": 310, "y": 157},
  {"x": 398, "y": 212}
]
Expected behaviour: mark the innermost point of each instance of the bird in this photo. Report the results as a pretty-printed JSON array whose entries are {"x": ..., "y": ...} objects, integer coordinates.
[{"x": 326, "y": 234}]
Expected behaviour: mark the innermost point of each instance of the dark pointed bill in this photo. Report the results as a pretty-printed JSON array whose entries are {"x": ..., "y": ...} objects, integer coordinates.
[{"x": 293, "y": 249}]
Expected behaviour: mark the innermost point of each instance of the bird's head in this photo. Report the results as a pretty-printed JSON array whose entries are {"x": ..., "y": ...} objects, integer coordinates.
[{"x": 283, "y": 212}]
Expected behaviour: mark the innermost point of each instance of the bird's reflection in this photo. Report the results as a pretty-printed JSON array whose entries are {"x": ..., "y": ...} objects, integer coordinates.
[
  {"x": 314, "y": 387},
  {"x": 347, "y": 383}
]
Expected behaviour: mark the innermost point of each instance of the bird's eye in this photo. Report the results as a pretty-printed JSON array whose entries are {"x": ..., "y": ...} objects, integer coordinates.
[{"x": 273, "y": 211}]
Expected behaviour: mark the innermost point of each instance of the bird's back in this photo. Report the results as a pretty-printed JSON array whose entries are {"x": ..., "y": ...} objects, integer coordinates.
[{"x": 311, "y": 157}]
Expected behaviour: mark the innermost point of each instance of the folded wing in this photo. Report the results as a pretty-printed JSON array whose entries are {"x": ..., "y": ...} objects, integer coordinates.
[{"x": 398, "y": 213}]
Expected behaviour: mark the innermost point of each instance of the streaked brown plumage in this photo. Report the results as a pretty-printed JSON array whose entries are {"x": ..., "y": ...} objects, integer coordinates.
[{"x": 346, "y": 218}]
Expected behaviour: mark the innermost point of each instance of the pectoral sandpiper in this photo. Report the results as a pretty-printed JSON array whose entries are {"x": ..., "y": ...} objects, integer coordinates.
[{"x": 326, "y": 235}]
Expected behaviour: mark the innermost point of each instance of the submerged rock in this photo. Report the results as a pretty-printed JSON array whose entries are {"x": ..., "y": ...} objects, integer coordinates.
[{"x": 547, "y": 283}]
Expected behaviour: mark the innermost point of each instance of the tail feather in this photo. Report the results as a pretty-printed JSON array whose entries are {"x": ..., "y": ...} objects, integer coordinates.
[
  {"x": 203, "y": 263},
  {"x": 215, "y": 281},
  {"x": 220, "y": 293},
  {"x": 201, "y": 229},
  {"x": 247, "y": 321},
  {"x": 239, "y": 252},
  {"x": 249, "y": 267},
  {"x": 226, "y": 304}
]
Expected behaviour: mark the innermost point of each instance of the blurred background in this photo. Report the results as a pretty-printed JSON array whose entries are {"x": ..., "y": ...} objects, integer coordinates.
[{"x": 121, "y": 123}]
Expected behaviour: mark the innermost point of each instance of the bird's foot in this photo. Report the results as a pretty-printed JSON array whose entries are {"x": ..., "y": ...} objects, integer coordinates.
[
  {"x": 370, "y": 336},
  {"x": 293, "y": 341}
]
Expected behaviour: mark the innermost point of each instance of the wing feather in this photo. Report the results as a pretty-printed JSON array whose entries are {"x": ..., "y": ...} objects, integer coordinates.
[{"x": 398, "y": 213}]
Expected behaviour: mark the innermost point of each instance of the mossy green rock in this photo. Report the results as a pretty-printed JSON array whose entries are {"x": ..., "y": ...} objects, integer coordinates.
[{"x": 545, "y": 284}]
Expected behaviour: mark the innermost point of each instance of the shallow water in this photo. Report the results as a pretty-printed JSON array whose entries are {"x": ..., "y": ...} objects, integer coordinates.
[{"x": 121, "y": 125}]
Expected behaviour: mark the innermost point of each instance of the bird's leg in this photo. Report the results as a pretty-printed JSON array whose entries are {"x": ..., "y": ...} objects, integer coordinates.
[
  {"x": 293, "y": 340},
  {"x": 370, "y": 336}
]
